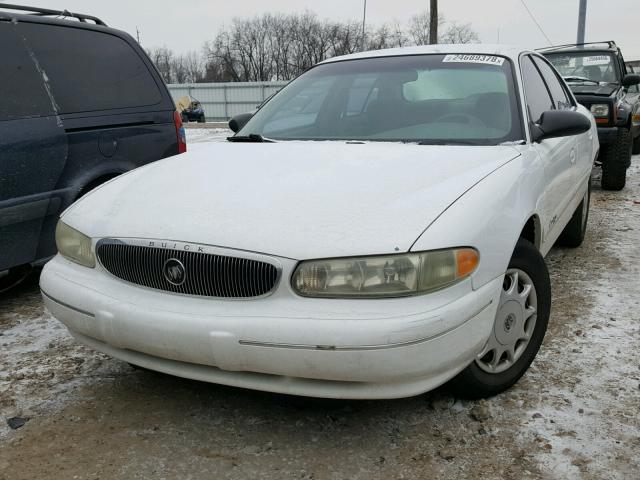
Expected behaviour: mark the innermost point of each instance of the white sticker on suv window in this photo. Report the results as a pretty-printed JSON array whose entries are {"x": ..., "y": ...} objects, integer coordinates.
[
  {"x": 486, "y": 59},
  {"x": 597, "y": 60}
]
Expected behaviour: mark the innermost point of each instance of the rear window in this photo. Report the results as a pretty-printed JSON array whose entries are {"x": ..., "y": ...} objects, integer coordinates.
[
  {"x": 22, "y": 91},
  {"x": 89, "y": 70}
]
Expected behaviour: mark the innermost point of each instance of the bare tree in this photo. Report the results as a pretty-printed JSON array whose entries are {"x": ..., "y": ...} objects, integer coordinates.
[
  {"x": 420, "y": 28},
  {"x": 280, "y": 47},
  {"x": 459, "y": 33},
  {"x": 162, "y": 58}
]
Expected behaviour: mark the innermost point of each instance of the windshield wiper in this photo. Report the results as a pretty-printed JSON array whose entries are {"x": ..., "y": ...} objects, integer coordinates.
[
  {"x": 251, "y": 138},
  {"x": 447, "y": 142},
  {"x": 580, "y": 79}
]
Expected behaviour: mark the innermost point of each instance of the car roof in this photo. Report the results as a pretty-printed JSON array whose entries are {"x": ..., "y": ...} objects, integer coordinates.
[
  {"x": 604, "y": 46},
  {"x": 509, "y": 51}
]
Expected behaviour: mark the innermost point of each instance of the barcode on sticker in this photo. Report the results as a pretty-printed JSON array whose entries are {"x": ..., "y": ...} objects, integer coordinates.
[{"x": 486, "y": 59}]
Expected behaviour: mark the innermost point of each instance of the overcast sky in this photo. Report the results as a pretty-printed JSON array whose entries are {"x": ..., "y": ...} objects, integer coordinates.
[{"x": 184, "y": 25}]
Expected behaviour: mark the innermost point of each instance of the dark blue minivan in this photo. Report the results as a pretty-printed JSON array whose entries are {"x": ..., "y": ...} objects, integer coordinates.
[{"x": 80, "y": 103}]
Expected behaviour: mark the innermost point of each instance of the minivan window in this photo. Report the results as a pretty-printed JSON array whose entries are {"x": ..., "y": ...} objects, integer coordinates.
[
  {"x": 535, "y": 91},
  {"x": 22, "y": 91},
  {"x": 90, "y": 70},
  {"x": 431, "y": 99}
]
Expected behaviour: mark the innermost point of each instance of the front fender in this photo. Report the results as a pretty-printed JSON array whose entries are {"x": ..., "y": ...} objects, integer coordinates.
[{"x": 491, "y": 216}]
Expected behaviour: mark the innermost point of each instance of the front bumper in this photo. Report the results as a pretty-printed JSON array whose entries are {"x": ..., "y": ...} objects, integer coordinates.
[
  {"x": 282, "y": 343},
  {"x": 607, "y": 135}
]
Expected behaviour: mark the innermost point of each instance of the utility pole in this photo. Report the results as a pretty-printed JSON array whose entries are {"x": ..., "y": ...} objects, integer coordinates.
[
  {"x": 433, "y": 22},
  {"x": 582, "y": 18},
  {"x": 364, "y": 21},
  {"x": 137, "y": 34}
]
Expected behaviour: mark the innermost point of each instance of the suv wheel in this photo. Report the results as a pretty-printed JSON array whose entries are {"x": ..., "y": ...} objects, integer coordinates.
[
  {"x": 636, "y": 145},
  {"x": 201, "y": 118},
  {"x": 574, "y": 231},
  {"x": 518, "y": 330},
  {"x": 615, "y": 160}
]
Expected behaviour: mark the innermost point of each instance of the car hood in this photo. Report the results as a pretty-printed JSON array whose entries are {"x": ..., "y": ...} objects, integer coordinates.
[
  {"x": 292, "y": 199},
  {"x": 592, "y": 89}
]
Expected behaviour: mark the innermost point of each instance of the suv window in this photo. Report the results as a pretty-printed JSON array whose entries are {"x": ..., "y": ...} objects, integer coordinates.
[
  {"x": 90, "y": 70},
  {"x": 535, "y": 90},
  {"x": 558, "y": 93},
  {"x": 22, "y": 92}
]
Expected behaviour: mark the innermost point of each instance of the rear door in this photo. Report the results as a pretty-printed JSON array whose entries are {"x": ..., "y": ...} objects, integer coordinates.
[
  {"x": 33, "y": 150},
  {"x": 557, "y": 153},
  {"x": 117, "y": 113}
]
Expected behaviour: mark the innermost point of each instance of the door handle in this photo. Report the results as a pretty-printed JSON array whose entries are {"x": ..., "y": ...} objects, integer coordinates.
[{"x": 572, "y": 156}]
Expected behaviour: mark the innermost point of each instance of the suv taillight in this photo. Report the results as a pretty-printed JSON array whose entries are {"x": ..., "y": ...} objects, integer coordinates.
[{"x": 181, "y": 134}]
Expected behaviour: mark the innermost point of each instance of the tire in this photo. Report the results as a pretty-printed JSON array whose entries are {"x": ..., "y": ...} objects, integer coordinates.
[
  {"x": 479, "y": 379},
  {"x": 636, "y": 145},
  {"x": 574, "y": 232},
  {"x": 202, "y": 119},
  {"x": 185, "y": 118},
  {"x": 615, "y": 160},
  {"x": 14, "y": 277}
]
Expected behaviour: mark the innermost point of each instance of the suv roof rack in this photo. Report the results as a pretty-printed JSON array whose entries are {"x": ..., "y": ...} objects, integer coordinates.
[
  {"x": 46, "y": 12},
  {"x": 608, "y": 43}
]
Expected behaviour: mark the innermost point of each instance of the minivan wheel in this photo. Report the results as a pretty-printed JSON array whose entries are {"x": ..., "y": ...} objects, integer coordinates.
[
  {"x": 518, "y": 330},
  {"x": 14, "y": 277},
  {"x": 574, "y": 232}
]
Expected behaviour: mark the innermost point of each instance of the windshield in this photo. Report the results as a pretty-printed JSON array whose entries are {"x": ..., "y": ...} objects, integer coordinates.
[
  {"x": 435, "y": 99},
  {"x": 585, "y": 67}
]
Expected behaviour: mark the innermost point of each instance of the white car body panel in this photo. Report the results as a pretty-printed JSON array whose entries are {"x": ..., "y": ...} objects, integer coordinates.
[
  {"x": 332, "y": 200},
  {"x": 291, "y": 201}
]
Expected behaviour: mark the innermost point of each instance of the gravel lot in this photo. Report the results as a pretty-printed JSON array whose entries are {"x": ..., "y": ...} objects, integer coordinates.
[{"x": 574, "y": 414}]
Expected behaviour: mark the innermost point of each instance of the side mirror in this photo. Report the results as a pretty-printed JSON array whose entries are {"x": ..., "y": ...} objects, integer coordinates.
[
  {"x": 630, "y": 80},
  {"x": 560, "y": 123},
  {"x": 238, "y": 121}
]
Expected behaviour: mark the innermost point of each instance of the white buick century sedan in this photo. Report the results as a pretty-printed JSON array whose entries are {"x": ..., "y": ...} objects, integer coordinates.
[{"x": 374, "y": 230}]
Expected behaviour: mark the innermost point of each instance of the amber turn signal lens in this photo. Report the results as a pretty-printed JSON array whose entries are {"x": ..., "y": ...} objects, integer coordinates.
[{"x": 466, "y": 260}]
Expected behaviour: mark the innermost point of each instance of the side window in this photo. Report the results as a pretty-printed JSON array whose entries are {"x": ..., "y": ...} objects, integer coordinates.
[
  {"x": 558, "y": 93},
  {"x": 89, "y": 70},
  {"x": 22, "y": 92},
  {"x": 536, "y": 93}
]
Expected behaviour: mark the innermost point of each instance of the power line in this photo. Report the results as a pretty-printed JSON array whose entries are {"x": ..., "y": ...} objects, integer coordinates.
[{"x": 535, "y": 21}]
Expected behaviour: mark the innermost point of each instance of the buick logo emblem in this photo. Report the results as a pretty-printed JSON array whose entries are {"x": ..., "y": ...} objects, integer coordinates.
[{"x": 174, "y": 271}]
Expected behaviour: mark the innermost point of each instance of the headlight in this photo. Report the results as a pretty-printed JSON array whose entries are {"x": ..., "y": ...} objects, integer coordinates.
[
  {"x": 600, "y": 110},
  {"x": 74, "y": 245},
  {"x": 385, "y": 275}
]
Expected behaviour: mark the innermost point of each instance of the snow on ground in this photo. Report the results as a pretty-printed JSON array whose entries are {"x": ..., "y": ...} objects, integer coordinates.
[
  {"x": 197, "y": 136},
  {"x": 574, "y": 415}
]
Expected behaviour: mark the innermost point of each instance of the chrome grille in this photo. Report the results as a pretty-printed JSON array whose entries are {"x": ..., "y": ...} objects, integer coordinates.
[{"x": 206, "y": 274}]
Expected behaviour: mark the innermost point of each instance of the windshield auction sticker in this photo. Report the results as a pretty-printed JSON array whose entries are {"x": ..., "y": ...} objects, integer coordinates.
[
  {"x": 597, "y": 60},
  {"x": 486, "y": 59}
]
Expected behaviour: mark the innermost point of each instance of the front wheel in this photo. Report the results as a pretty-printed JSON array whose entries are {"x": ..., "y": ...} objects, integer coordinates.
[
  {"x": 519, "y": 327},
  {"x": 636, "y": 145},
  {"x": 615, "y": 159}
]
